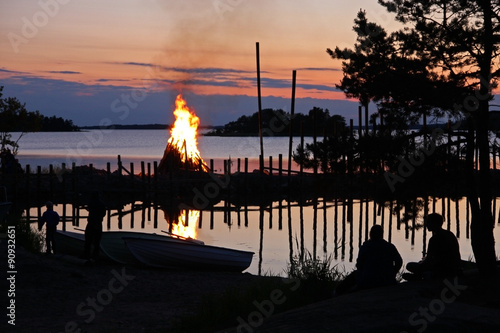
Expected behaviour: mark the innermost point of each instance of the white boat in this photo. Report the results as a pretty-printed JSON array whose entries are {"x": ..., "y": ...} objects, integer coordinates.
[
  {"x": 112, "y": 245},
  {"x": 187, "y": 254},
  {"x": 68, "y": 242}
]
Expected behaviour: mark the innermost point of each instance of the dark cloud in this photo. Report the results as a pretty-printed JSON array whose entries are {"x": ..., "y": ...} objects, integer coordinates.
[
  {"x": 64, "y": 72},
  {"x": 319, "y": 69},
  {"x": 90, "y": 104}
]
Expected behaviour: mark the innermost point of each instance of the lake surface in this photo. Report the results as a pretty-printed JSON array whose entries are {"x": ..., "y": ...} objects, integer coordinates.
[{"x": 274, "y": 233}]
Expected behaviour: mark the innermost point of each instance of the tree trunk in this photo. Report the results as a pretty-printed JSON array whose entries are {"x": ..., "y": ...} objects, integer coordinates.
[{"x": 482, "y": 237}]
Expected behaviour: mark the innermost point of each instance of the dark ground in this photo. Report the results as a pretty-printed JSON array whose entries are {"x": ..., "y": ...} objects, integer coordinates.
[{"x": 59, "y": 294}]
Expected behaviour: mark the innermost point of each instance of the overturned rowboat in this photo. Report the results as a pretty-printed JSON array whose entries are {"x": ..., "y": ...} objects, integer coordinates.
[{"x": 187, "y": 254}]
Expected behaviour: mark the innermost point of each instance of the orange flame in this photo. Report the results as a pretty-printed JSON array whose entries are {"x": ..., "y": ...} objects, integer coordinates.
[
  {"x": 186, "y": 226},
  {"x": 183, "y": 134}
]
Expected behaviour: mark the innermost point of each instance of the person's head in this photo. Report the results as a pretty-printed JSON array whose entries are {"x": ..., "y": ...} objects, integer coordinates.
[
  {"x": 49, "y": 205},
  {"x": 376, "y": 232},
  {"x": 434, "y": 221}
]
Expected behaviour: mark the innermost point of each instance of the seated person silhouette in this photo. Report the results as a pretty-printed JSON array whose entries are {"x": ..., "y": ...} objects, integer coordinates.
[
  {"x": 378, "y": 261},
  {"x": 443, "y": 253},
  {"x": 377, "y": 265}
]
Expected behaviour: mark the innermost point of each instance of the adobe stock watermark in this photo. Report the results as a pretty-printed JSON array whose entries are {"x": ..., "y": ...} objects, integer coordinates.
[
  {"x": 31, "y": 27},
  {"x": 212, "y": 189},
  {"x": 120, "y": 106},
  {"x": 407, "y": 167},
  {"x": 223, "y": 6},
  {"x": 265, "y": 308},
  {"x": 427, "y": 314},
  {"x": 89, "y": 308}
]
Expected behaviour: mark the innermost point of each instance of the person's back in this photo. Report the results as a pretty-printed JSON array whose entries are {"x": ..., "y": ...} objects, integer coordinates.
[
  {"x": 97, "y": 210},
  {"x": 378, "y": 261},
  {"x": 443, "y": 254}
]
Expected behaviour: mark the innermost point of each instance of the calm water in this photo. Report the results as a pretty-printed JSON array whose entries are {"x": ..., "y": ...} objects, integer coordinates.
[
  {"x": 274, "y": 234},
  {"x": 99, "y": 147}
]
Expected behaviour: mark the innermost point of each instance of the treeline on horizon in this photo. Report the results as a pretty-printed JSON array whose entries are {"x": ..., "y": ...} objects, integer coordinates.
[{"x": 276, "y": 122}]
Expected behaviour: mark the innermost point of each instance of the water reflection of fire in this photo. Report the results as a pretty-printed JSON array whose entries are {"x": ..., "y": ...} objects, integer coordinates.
[
  {"x": 185, "y": 226},
  {"x": 182, "y": 147}
]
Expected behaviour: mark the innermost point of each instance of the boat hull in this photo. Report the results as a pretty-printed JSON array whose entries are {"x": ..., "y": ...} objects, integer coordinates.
[{"x": 158, "y": 253}]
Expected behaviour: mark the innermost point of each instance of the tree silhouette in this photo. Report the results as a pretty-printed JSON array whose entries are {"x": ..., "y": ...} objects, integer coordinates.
[
  {"x": 444, "y": 60},
  {"x": 15, "y": 118}
]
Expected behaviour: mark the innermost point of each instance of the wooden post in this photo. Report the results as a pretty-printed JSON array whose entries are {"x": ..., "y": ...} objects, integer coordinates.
[
  {"x": 360, "y": 121},
  {"x": 315, "y": 168},
  {"x": 366, "y": 119},
  {"x": 290, "y": 123},
  {"x": 302, "y": 145},
  {"x": 38, "y": 188},
  {"x": 119, "y": 165},
  {"x": 27, "y": 191},
  {"x": 259, "y": 100},
  {"x": 51, "y": 182}
]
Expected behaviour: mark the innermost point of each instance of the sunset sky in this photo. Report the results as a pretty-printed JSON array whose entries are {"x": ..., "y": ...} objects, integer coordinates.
[{"x": 124, "y": 61}]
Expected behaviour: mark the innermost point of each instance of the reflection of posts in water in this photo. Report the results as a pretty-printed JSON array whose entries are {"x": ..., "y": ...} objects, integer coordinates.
[
  {"x": 413, "y": 221},
  {"x": 467, "y": 218},
  {"x": 351, "y": 240},
  {"x": 238, "y": 215},
  {"x": 315, "y": 225},
  {"x": 342, "y": 250},
  {"x": 246, "y": 214},
  {"x": 132, "y": 205},
  {"x": 335, "y": 228},
  {"x": 360, "y": 223},
  {"x": 448, "y": 214},
  {"x": 424, "y": 233},
  {"x": 143, "y": 215},
  {"x": 398, "y": 216},
  {"x": 325, "y": 227},
  {"x": 280, "y": 215},
  {"x": 120, "y": 218},
  {"x": 406, "y": 221},
  {"x": 301, "y": 210},
  {"x": 367, "y": 218},
  {"x": 261, "y": 238},
  {"x": 389, "y": 232},
  {"x": 290, "y": 234},
  {"x": 271, "y": 216},
  {"x": 211, "y": 217},
  {"x": 457, "y": 217}
]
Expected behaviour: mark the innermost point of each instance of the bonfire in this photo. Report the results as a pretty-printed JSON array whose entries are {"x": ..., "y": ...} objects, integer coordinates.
[{"x": 182, "y": 151}]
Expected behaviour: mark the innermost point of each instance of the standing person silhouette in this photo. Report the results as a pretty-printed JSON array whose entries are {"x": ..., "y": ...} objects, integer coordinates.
[
  {"x": 443, "y": 253},
  {"x": 93, "y": 231},
  {"x": 52, "y": 219}
]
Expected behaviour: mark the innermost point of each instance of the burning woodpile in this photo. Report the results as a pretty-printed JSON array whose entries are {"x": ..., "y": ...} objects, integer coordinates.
[{"x": 182, "y": 151}]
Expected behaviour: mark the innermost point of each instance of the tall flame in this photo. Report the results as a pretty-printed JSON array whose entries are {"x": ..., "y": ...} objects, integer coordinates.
[
  {"x": 183, "y": 134},
  {"x": 186, "y": 226}
]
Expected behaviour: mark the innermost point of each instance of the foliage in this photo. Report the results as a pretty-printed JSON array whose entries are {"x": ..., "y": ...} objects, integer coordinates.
[
  {"x": 277, "y": 123},
  {"x": 15, "y": 118},
  {"x": 443, "y": 61},
  {"x": 309, "y": 280},
  {"x": 459, "y": 42},
  {"x": 26, "y": 236}
]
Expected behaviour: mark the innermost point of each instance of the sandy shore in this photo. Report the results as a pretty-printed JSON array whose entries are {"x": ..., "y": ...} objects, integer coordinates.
[{"x": 59, "y": 294}]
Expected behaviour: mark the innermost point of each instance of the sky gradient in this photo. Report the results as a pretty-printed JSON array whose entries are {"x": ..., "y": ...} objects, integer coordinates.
[{"x": 124, "y": 61}]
